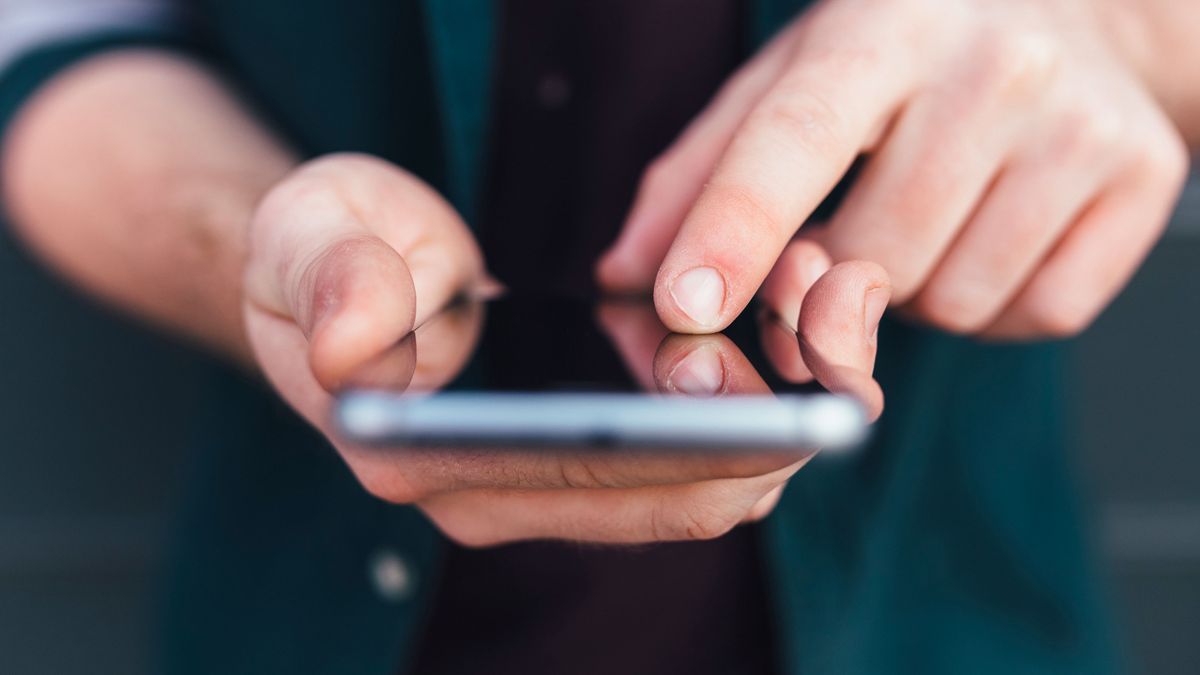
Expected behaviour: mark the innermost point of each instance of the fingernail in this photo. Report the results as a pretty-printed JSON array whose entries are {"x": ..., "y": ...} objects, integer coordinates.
[
  {"x": 874, "y": 305},
  {"x": 699, "y": 293},
  {"x": 700, "y": 373}
]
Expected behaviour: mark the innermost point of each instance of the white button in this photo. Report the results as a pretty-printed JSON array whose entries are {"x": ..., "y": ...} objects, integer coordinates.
[
  {"x": 554, "y": 91},
  {"x": 391, "y": 575}
]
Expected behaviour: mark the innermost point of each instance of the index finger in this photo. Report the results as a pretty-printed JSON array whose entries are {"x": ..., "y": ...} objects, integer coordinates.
[{"x": 790, "y": 152}]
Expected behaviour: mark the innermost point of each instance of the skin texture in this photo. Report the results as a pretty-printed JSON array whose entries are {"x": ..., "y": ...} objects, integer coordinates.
[
  {"x": 134, "y": 175},
  {"x": 1022, "y": 162}
]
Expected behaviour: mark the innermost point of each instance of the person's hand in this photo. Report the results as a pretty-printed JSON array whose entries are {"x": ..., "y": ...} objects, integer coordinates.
[
  {"x": 485, "y": 497},
  {"x": 347, "y": 255},
  {"x": 1018, "y": 169}
]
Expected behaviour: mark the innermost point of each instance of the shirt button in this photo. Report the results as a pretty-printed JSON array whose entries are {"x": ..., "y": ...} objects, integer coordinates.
[
  {"x": 390, "y": 575},
  {"x": 554, "y": 91}
]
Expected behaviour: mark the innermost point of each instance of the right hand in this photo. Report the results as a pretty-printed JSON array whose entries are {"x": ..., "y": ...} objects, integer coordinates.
[{"x": 349, "y": 254}]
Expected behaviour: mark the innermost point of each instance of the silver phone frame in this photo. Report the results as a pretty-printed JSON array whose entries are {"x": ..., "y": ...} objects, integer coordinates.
[{"x": 600, "y": 420}]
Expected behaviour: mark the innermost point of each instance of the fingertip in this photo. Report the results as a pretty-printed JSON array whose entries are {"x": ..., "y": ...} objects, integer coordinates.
[
  {"x": 861, "y": 386},
  {"x": 838, "y": 324},
  {"x": 485, "y": 288},
  {"x": 851, "y": 381},
  {"x": 327, "y": 356},
  {"x": 350, "y": 339},
  {"x": 393, "y": 369},
  {"x": 844, "y": 289},
  {"x": 694, "y": 301},
  {"x": 363, "y": 302}
]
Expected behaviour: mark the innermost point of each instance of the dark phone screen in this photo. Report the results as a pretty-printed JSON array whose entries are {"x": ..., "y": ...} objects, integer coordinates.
[{"x": 544, "y": 343}]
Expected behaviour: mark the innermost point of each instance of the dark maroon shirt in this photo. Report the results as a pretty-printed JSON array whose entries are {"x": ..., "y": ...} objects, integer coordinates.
[{"x": 588, "y": 92}]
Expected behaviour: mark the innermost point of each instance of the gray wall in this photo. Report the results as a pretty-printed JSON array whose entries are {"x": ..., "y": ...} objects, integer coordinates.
[
  {"x": 1138, "y": 371},
  {"x": 81, "y": 532}
]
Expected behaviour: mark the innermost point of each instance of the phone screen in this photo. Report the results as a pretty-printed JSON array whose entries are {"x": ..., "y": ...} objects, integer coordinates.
[
  {"x": 528, "y": 343},
  {"x": 556, "y": 372}
]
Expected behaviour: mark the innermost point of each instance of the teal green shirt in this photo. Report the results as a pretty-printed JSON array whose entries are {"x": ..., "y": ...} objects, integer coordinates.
[{"x": 950, "y": 545}]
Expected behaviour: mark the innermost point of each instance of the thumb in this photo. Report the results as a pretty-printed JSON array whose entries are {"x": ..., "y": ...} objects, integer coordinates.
[
  {"x": 839, "y": 321},
  {"x": 355, "y": 301},
  {"x": 348, "y": 291},
  {"x": 356, "y": 253}
]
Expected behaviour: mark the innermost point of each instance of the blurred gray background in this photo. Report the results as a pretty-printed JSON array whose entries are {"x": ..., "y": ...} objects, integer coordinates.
[{"x": 82, "y": 533}]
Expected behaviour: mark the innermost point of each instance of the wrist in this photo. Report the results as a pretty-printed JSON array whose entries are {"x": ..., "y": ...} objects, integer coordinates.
[{"x": 215, "y": 216}]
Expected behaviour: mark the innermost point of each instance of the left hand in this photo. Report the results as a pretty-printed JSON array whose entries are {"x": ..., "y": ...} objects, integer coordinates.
[{"x": 1018, "y": 168}]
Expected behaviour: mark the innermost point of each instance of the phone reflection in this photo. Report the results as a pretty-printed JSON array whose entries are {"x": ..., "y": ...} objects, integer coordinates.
[
  {"x": 606, "y": 378},
  {"x": 559, "y": 344},
  {"x": 428, "y": 359}
]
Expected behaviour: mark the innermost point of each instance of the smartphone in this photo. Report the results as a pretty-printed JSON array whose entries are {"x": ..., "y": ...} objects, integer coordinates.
[{"x": 524, "y": 372}]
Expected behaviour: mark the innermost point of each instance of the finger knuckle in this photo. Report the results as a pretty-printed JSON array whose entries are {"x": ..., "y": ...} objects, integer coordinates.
[
  {"x": 1053, "y": 315},
  {"x": 1091, "y": 133},
  {"x": 925, "y": 192},
  {"x": 749, "y": 209},
  {"x": 285, "y": 192},
  {"x": 803, "y": 117},
  {"x": 1017, "y": 62},
  {"x": 839, "y": 59},
  {"x": 308, "y": 192},
  {"x": 954, "y": 310}
]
